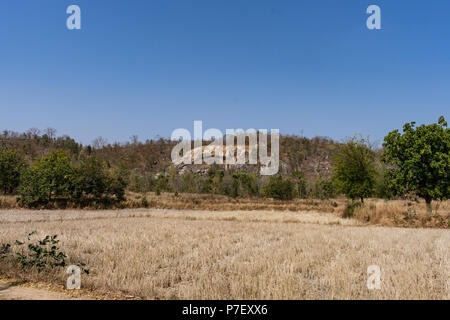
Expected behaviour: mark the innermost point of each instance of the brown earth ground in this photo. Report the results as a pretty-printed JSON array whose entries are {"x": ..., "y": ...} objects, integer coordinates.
[
  {"x": 11, "y": 289},
  {"x": 18, "y": 290}
]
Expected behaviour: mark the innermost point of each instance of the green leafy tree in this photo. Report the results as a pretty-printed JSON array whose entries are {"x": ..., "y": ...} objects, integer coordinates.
[
  {"x": 383, "y": 188},
  {"x": 420, "y": 160},
  {"x": 94, "y": 181},
  {"x": 324, "y": 188},
  {"x": 246, "y": 184},
  {"x": 50, "y": 178},
  {"x": 10, "y": 167},
  {"x": 116, "y": 185},
  {"x": 161, "y": 183},
  {"x": 90, "y": 180},
  {"x": 354, "y": 169}
]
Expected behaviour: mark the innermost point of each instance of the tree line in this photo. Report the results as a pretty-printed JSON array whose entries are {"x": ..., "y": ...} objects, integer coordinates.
[
  {"x": 415, "y": 162},
  {"x": 56, "y": 179}
]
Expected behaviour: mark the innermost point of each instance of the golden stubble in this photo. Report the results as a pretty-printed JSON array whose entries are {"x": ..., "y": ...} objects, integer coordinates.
[{"x": 168, "y": 254}]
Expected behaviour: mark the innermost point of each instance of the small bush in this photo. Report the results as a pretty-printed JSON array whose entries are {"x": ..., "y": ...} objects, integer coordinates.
[
  {"x": 144, "y": 201},
  {"x": 279, "y": 188},
  {"x": 324, "y": 189},
  {"x": 349, "y": 210},
  {"x": 40, "y": 254},
  {"x": 300, "y": 182}
]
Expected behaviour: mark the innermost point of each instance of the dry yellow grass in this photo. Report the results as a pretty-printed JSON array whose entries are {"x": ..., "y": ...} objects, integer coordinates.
[
  {"x": 402, "y": 213},
  {"x": 211, "y": 202},
  {"x": 8, "y": 202},
  {"x": 405, "y": 214},
  {"x": 238, "y": 255}
]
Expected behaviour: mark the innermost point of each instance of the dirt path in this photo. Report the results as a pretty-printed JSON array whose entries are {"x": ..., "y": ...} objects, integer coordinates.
[{"x": 10, "y": 290}]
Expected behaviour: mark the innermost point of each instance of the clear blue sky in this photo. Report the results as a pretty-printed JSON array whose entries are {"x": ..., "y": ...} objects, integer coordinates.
[{"x": 147, "y": 67}]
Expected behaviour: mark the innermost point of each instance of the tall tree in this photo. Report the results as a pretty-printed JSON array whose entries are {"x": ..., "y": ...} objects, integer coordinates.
[
  {"x": 420, "y": 160},
  {"x": 354, "y": 169}
]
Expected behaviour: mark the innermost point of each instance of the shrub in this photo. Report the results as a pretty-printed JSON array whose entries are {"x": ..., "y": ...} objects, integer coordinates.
[
  {"x": 10, "y": 168},
  {"x": 350, "y": 208},
  {"x": 227, "y": 186},
  {"x": 300, "y": 183},
  {"x": 234, "y": 192},
  {"x": 249, "y": 184},
  {"x": 324, "y": 189},
  {"x": 279, "y": 188},
  {"x": 244, "y": 184},
  {"x": 161, "y": 183},
  {"x": 144, "y": 201}
]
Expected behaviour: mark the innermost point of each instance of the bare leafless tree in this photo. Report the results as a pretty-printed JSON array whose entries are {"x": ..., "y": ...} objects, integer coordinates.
[
  {"x": 99, "y": 143},
  {"x": 33, "y": 132},
  {"x": 50, "y": 132}
]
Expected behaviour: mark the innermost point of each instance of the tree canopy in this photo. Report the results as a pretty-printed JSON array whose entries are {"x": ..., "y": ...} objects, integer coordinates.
[
  {"x": 354, "y": 169},
  {"x": 420, "y": 160}
]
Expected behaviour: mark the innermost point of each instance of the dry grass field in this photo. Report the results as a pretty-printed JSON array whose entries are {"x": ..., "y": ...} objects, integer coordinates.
[
  {"x": 401, "y": 213},
  {"x": 169, "y": 254}
]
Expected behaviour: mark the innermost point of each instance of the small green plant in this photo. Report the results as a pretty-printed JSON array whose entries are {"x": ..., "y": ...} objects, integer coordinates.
[
  {"x": 5, "y": 249},
  {"x": 40, "y": 254}
]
